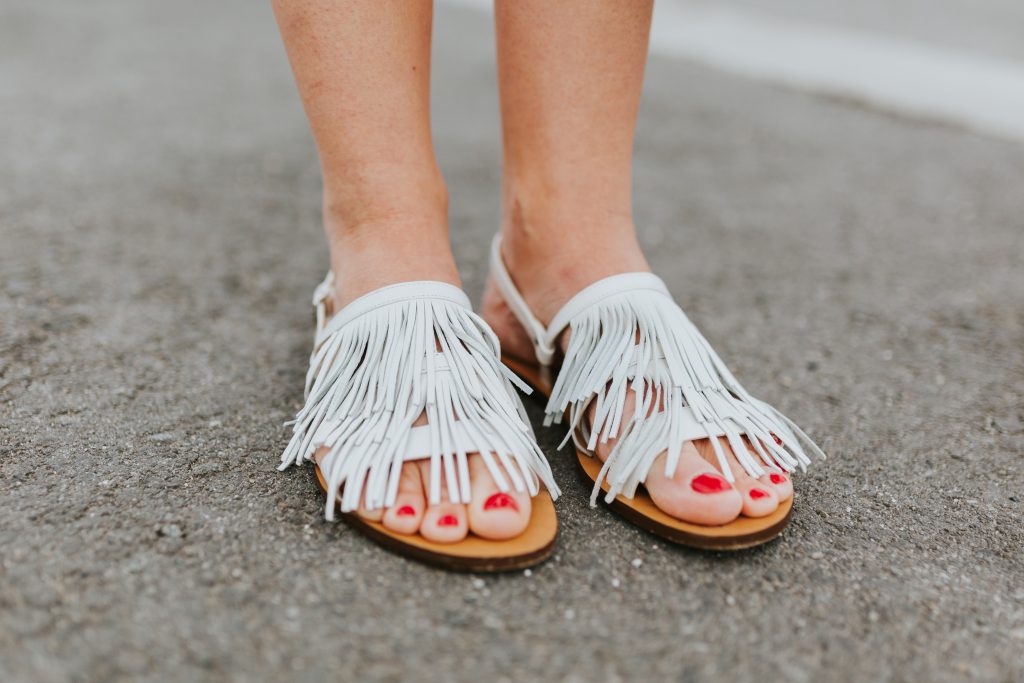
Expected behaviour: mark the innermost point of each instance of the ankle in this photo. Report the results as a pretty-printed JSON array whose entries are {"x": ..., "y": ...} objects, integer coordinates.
[
  {"x": 386, "y": 223},
  {"x": 553, "y": 250},
  {"x": 386, "y": 250}
]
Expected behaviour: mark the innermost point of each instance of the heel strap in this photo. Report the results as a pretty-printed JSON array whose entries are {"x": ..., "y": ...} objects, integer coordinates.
[{"x": 544, "y": 338}]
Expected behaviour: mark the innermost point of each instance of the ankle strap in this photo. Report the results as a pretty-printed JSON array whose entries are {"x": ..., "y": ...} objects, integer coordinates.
[
  {"x": 543, "y": 345},
  {"x": 545, "y": 338}
]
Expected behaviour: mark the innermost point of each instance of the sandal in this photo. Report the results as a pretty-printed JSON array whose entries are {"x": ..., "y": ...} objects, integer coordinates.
[
  {"x": 628, "y": 333},
  {"x": 380, "y": 363}
]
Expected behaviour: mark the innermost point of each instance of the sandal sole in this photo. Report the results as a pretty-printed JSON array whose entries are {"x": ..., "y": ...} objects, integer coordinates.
[
  {"x": 472, "y": 554},
  {"x": 740, "y": 534}
]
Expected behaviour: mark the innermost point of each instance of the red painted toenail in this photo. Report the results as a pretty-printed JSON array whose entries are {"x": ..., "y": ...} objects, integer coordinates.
[
  {"x": 501, "y": 500},
  {"x": 448, "y": 520},
  {"x": 777, "y": 439},
  {"x": 758, "y": 493},
  {"x": 777, "y": 478},
  {"x": 710, "y": 483},
  {"x": 405, "y": 511}
]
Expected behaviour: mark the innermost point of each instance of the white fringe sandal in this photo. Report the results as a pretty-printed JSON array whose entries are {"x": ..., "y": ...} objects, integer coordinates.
[
  {"x": 380, "y": 363},
  {"x": 628, "y": 333}
]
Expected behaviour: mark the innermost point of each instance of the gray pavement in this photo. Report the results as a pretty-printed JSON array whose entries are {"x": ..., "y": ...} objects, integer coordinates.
[
  {"x": 159, "y": 239},
  {"x": 984, "y": 27}
]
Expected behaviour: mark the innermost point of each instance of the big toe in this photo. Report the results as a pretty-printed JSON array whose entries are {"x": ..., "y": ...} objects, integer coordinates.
[
  {"x": 696, "y": 492},
  {"x": 493, "y": 513}
]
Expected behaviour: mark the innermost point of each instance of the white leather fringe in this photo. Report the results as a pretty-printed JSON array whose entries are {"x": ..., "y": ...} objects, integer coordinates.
[
  {"x": 386, "y": 359},
  {"x": 641, "y": 340}
]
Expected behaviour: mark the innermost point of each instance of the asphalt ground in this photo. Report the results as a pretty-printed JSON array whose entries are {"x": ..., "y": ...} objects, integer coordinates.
[{"x": 159, "y": 241}]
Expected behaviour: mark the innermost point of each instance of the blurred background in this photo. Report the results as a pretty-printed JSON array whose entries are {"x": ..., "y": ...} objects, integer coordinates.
[
  {"x": 979, "y": 27},
  {"x": 833, "y": 192},
  {"x": 956, "y": 62}
]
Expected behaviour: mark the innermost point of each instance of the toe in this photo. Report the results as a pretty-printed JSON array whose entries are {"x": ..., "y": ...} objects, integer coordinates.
[
  {"x": 362, "y": 511},
  {"x": 445, "y": 522},
  {"x": 696, "y": 492},
  {"x": 406, "y": 515},
  {"x": 779, "y": 482},
  {"x": 374, "y": 515},
  {"x": 758, "y": 500},
  {"x": 774, "y": 479},
  {"x": 493, "y": 513}
]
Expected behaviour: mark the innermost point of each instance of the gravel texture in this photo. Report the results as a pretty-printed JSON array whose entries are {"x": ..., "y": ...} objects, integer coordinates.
[{"x": 159, "y": 240}]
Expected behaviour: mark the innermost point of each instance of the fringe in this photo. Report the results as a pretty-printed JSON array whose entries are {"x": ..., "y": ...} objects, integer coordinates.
[
  {"x": 370, "y": 379},
  {"x": 642, "y": 341}
]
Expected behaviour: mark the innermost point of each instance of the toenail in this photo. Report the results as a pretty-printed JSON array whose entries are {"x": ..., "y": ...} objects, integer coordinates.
[
  {"x": 710, "y": 483},
  {"x": 405, "y": 511},
  {"x": 777, "y": 439},
  {"x": 499, "y": 501},
  {"x": 448, "y": 520},
  {"x": 777, "y": 478},
  {"x": 758, "y": 493}
]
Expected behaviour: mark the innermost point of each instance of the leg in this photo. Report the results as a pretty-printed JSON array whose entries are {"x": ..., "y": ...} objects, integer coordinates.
[
  {"x": 570, "y": 77},
  {"x": 363, "y": 69},
  {"x": 363, "y": 72}
]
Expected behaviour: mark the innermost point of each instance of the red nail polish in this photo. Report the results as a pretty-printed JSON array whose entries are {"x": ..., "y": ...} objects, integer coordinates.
[
  {"x": 758, "y": 493},
  {"x": 777, "y": 439},
  {"x": 405, "y": 511},
  {"x": 777, "y": 478},
  {"x": 501, "y": 500},
  {"x": 710, "y": 483},
  {"x": 448, "y": 520}
]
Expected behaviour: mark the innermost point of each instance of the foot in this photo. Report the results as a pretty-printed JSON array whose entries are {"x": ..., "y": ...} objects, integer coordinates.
[
  {"x": 548, "y": 275},
  {"x": 491, "y": 514}
]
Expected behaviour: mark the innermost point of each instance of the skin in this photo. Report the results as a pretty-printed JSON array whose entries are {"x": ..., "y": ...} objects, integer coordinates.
[
  {"x": 570, "y": 75},
  {"x": 362, "y": 70}
]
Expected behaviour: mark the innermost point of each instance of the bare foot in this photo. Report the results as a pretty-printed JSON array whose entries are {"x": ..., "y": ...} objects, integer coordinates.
[
  {"x": 697, "y": 492},
  {"x": 491, "y": 514}
]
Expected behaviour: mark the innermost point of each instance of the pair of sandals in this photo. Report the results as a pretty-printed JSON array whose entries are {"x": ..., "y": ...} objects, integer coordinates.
[{"x": 417, "y": 348}]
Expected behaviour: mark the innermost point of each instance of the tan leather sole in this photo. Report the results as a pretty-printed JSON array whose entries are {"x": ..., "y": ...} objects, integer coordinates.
[
  {"x": 472, "y": 554},
  {"x": 742, "y": 532}
]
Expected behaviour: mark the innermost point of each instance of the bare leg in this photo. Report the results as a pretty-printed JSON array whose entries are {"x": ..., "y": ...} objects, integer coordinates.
[
  {"x": 570, "y": 77},
  {"x": 363, "y": 72}
]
